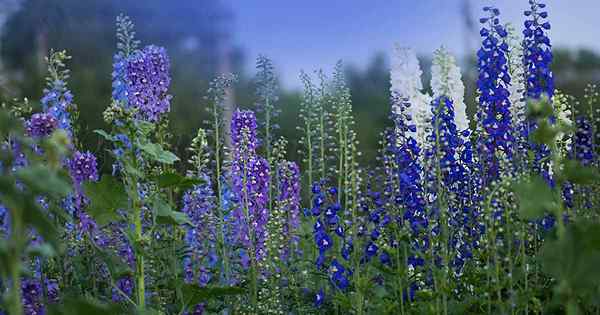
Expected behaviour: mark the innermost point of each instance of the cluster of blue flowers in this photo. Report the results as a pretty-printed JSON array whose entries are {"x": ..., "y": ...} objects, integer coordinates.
[
  {"x": 141, "y": 81},
  {"x": 496, "y": 142},
  {"x": 250, "y": 176}
]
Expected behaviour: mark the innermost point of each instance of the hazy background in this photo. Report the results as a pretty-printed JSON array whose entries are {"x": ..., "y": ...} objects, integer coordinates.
[{"x": 211, "y": 36}]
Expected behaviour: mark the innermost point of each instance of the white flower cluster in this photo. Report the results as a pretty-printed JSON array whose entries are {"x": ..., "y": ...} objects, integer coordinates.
[
  {"x": 446, "y": 80},
  {"x": 516, "y": 70},
  {"x": 406, "y": 82}
]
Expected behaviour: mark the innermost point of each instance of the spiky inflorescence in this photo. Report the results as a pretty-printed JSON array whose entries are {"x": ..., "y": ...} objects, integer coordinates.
[
  {"x": 267, "y": 93},
  {"x": 537, "y": 52},
  {"x": 148, "y": 81},
  {"x": 250, "y": 183},
  {"x": 199, "y": 205},
  {"x": 405, "y": 80},
  {"x": 518, "y": 104},
  {"x": 288, "y": 206},
  {"x": 409, "y": 194},
  {"x": 41, "y": 125},
  {"x": 583, "y": 144},
  {"x": 4, "y": 222},
  {"x": 496, "y": 135},
  {"x": 446, "y": 80},
  {"x": 83, "y": 167},
  {"x": 57, "y": 99},
  {"x": 140, "y": 78}
]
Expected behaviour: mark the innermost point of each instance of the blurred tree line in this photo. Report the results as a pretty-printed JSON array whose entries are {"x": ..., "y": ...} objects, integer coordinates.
[{"x": 197, "y": 35}]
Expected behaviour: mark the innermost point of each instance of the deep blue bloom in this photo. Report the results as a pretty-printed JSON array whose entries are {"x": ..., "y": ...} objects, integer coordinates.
[
  {"x": 497, "y": 138},
  {"x": 141, "y": 82},
  {"x": 41, "y": 125}
]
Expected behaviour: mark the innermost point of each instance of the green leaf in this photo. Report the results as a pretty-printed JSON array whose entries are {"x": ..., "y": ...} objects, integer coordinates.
[
  {"x": 88, "y": 306},
  {"x": 578, "y": 174},
  {"x": 544, "y": 133},
  {"x": 194, "y": 294},
  {"x": 166, "y": 215},
  {"x": 144, "y": 127},
  {"x": 42, "y": 180},
  {"x": 35, "y": 217},
  {"x": 573, "y": 259},
  {"x": 174, "y": 180},
  {"x": 104, "y": 134},
  {"x": 535, "y": 197},
  {"x": 157, "y": 153},
  {"x": 41, "y": 250},
  {"x": 106, "y": 197}
]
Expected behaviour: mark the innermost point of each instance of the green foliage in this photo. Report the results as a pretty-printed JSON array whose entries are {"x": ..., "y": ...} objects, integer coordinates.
[{"x": 106, "y": 197}]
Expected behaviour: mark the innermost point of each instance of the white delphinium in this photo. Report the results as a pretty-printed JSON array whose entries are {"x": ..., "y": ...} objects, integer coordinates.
[
  {"x": 406, "y": 83},
  {"x": 446, "y": 80},
  {"x": 563, "y": 105},
  {"x": 516, "y": 70}
]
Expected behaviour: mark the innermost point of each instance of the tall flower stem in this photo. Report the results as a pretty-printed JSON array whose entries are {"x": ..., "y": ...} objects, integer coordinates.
[
  {"x": 220, "y": 233},
  {"x": 14, "y": 265}
]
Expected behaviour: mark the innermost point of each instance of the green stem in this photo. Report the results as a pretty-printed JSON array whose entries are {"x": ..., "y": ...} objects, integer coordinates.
[
  {"x": 15, "y": 306},
  {"x": 221, "y": 237}
]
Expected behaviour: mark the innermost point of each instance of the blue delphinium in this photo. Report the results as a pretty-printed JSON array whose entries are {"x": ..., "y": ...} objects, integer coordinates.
[
  {"x": 496, "y": 135},
  {"x": 539, "y": 82},
  {"x": 537, "y": 52},
  {"x": 583, "y": 144},
  {"x": 57, "y": 100},
  {"x": 410, "y": 194},
  {"x": 199, "y": 204},
  {"x": 140, "y": 77},
  {"x": 4, "y": 222},
  {"x": 148, "y": 81},
  {"x": 449, "y": 182}
]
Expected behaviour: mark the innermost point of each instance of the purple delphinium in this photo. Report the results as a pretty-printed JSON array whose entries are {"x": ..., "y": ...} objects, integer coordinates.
[
  {"x": 250, "y": 184},
  {"x": 32, "y": 297},
  {"x": 199, "y": 205},
  {"x": 83, "y": 167},
  {"x": 148, "y": 80},
  {"x": 140, "y": 77},
  {"x": 41, "y": 125},
  {"x": 288, "y": 178},
  {"x": 496, "y": 140}
]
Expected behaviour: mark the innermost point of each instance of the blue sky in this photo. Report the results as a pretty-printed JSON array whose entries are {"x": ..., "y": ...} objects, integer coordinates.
[{"x": 312, "y": 34}]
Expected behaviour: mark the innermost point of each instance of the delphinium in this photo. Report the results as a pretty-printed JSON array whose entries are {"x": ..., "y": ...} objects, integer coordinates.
[
  {"x": 283, "y": 241},
  {"x": 406, "y": 77},
  {"x": 539, "y": 82},
  {"x": 447, "y": 177},
  {"x": 495, "y": 150},
  {"x": 517, "y": 98},
  {"x": 496, "y": 134},
  {"x": 216, "y": 95},
  {"x": 409, "y": 195},
  {"x": 199, "y": 204},
  {"x": 315, "y": 123},
  {"x": 591, "y": 101},
  {"x": 26, "y": 216},
  {"x": 140, "y": 101},
  {"x": 250, "y": 176},
  {"x": 329, "y": 231}
]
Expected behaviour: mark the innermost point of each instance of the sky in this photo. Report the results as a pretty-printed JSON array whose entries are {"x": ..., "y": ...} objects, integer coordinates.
[{"x": 312, "y": 34}]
